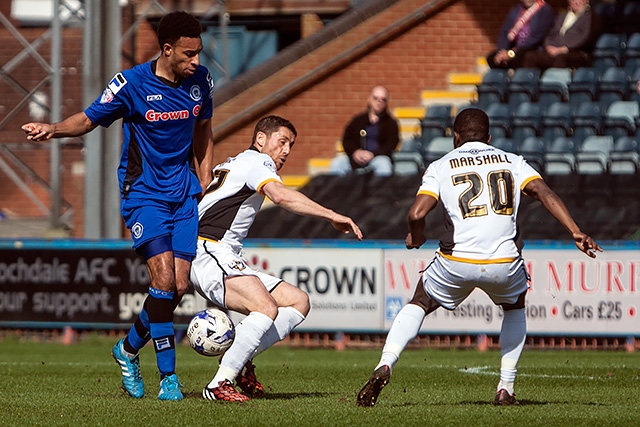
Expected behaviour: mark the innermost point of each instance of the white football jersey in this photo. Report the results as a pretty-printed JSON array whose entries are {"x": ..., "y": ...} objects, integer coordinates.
[
  {"x": 231, "y": 201},
  {"x": 480, "y": 188}
]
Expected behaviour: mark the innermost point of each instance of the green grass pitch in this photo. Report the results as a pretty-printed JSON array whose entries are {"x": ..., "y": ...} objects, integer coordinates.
[{"x": 50, "y": 384}]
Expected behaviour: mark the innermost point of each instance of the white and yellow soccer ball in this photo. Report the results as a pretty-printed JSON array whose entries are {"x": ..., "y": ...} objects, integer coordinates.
[{"x": 211, "y": 332}]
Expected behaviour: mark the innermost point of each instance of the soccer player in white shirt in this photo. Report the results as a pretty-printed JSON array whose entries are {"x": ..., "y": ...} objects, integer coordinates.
[
  {"x": 219, "y": 271},
  {"x": 479, "y": 187}
]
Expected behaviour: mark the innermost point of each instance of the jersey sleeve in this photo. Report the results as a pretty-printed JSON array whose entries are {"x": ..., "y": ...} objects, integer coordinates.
[
  {"x": 527, "y": 173},
  {"x": 112, "y": 104},
  {"x": 430, "y": 184},
  {"x": 263, "y": 171}
]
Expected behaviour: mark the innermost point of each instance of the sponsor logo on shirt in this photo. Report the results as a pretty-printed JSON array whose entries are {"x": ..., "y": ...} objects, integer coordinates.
[
  {"x": 269, "y": 163},
  {"x": 195, "y": 93},
  {"x": 117, "y": 83},
  {"x": 107, "y": 96},
  {"x": 137, "y": 230},
  {"x": 158, "y": 116},
  {"x": 196, "y": 110},
  {"x": 154, "y": 98}
]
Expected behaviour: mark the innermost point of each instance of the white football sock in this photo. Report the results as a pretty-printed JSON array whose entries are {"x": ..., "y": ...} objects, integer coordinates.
[
  {"x": 405, "y": 328},
  {"x": 512, "y": 337},
  {"x": 287, "y": 319},
  {"x": 248, "y": 335}
]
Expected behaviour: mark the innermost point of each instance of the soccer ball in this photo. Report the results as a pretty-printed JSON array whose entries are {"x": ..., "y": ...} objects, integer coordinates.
[{"x": 211, "y": 332}]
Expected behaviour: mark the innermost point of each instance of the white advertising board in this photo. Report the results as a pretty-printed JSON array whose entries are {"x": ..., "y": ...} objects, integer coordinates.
[
  {"x": 570, "y": 294},
  {"x": 344, "y": 285}
]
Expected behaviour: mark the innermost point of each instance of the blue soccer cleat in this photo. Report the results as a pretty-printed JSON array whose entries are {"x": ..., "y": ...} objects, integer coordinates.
[
  {"x": 170, "y": 388},
  {"x": 131, "y": 377}
]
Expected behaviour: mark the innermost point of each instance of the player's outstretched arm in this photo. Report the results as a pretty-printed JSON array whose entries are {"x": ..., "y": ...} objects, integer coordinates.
[
  {"x": 539, "y": 190},
  {"x": 76, "y": 125},
  {"x": 421, "y": 207},
  {"x": 298, "y": 203},
  {"x": 203, "y": 152}
]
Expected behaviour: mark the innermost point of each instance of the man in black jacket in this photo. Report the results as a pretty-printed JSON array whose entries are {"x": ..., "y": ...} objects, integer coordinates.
[{"x": 369, "y": 139}]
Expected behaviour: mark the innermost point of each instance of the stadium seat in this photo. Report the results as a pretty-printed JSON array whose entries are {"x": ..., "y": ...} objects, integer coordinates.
[
  {"x": 526, "y": 121},
  {"x": 556, "y": 121},
  {"x": 607, "y": 13},
  {"x": 619, "y": 119},
  {"x": 560, "y": 157},
  {"x": 523, "y": 86},
  {"x": 632, "y": 93},
  {"x": 608, "y": 51},
  {"x": 586, "y": 121},
  {"x": 493, "y": 87},
  {"x": 613, "y": 86},
  {"x": 436, "y": 148},
  {"x": 533, "y": 150},
  {"x": 592, "y": 157},
  {"x": 505, "y": 144},
  {"x": 632, "y": 54},
  {"x": 499, "y": 119},
  {"x": 625, "y": 157},
  {"x": 554, "y": 86},
  {"x": 407, "y": 163},
  {"x": 583, "y": 86},
  {"x": 436, "y": 122}
]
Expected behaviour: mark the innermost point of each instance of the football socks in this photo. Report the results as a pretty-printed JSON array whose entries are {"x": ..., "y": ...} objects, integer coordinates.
[{"x": 405, "y": 328}]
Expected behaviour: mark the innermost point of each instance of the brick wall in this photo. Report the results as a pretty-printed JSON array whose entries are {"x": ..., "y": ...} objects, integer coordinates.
[{"x": 417, "y": 60}]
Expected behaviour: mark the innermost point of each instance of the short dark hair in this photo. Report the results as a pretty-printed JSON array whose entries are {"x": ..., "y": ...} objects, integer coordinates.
[
  {"x": 472, "y": 124},
  {"x": 271, "y": 124},
  {"x": 178, "y": 24}
]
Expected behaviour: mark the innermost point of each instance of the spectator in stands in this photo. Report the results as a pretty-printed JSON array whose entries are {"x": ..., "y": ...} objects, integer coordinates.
[
  {"x": 369, "y": 139},
  {"x": 479, "y": 187},
  {"x": 525, "y": 28},
  {"x": 571, "y": 40}
]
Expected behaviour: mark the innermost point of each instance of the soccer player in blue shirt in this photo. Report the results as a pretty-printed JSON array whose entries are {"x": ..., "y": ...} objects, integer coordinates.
[{"x": 166, "y": 109}]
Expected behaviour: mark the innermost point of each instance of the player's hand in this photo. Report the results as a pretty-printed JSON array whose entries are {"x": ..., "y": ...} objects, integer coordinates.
[
  {"x": 346, "y": 225},
  {"x": 586, "y": 244},
  {"x": 38, "y": 131},
  {"x": 412, "y": 243}
]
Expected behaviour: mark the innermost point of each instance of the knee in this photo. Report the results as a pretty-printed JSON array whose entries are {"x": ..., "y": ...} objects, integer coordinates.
[
  {"x": 268, "y": 307},
  {"x": 302, "y": 304}
]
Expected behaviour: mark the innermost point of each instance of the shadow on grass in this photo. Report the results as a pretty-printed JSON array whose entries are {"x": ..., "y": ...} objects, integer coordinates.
[
  {"x": 520, "y": 403},
  {"x": 272, "y": 396}
]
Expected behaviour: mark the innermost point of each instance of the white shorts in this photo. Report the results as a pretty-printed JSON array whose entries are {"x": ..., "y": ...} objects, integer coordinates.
[
  {"x": 450, "y": 282},
  {"x": 214, "y": 262}
]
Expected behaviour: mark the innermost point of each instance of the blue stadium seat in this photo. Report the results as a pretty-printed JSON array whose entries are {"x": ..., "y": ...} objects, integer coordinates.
[
  {"x": 632, "y": 53},
  {"x": 499, "y": 119},
  {"x": 560, "y": 158},
  {"x": 613, "y": 86},
  {"x": 493, "y": 88},
  {"x": 436, "y": 122},
  {"x": 592, "y": 157},
  {"x": 505, "y": 144},
  {"x": 583, "y": 86},
  {"x": 436, "y": 148},
  {"x": 533, "y": 150},
  {"x": 407, "y": 163},
  {"x": 554, "y": 86},
  {"x": 625, "y": 157},
  {"x": 619, "y": 119},
  {"x": 523, "y": 86},
  {"x": 586, "y": 121},
  {"x": 608, "y": 51},
  {"x": 526, "y": 121},
  {"x": 556, "y": 121}
]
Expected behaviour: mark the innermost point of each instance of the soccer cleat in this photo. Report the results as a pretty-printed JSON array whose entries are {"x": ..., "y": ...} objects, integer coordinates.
[
  {"x": 247, "y": 381},
  {"x": 225, "y": 392},
  {"x": 170, "y": 388},
  {"x": 503, "y": 398},
  {"x": 369, "y": 393},
  {"x": 131, "y": 377}
]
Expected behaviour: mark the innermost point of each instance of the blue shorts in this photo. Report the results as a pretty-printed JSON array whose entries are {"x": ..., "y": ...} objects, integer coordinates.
[{"x": 173, "y": 222}]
